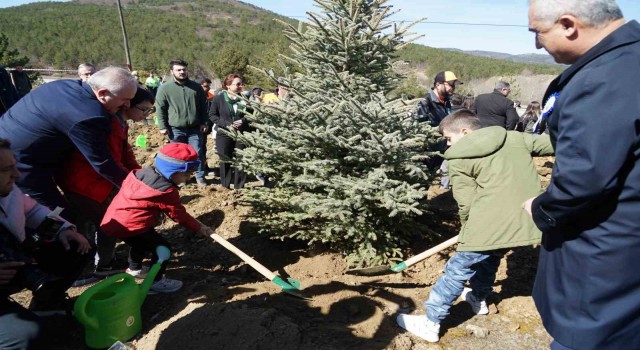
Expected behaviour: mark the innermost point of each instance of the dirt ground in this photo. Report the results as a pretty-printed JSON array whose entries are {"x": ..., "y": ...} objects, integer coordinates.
[{"x": 225, "y": 304}]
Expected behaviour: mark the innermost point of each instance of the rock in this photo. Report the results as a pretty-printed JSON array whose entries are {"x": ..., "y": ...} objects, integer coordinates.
[
  {"x": 513, "y": 327},
  {"x": 477, "y": 331},
  {"x": 493, "y": 309}
]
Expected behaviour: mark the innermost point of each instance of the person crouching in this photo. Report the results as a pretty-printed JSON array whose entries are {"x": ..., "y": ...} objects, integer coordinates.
[{"x": 144, "y": 196}]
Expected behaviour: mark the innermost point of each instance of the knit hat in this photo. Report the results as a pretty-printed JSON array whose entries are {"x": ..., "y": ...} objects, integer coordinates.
[{"x": 175, "y": 157}]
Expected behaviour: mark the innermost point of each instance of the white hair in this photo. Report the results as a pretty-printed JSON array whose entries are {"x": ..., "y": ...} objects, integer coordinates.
[
  {"x": 87, "y": 66},
  {"x": 502, "y": 85},
  {"x": 114, "y": 79},
  {"x": 594, "y": 13}
]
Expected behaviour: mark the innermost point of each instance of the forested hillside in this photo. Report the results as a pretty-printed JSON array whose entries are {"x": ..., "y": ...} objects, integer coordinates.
[{"x": 214, "y": 36}]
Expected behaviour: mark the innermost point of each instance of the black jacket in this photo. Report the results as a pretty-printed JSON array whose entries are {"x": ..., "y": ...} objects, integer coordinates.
[
  {"x": 495, "y": 109},
  {"x": 22, "y": 82},
  {"x": 432, "y": 110},
  {"x": 587, "y": 287},
  {"x": 8, "y": 93},
  {"x": 220, "y": 114}
]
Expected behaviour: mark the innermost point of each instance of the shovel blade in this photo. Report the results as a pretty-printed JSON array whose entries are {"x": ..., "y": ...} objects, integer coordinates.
[
  {"x": 289, "y": 288},
  {"x": 370, "y": 271}
]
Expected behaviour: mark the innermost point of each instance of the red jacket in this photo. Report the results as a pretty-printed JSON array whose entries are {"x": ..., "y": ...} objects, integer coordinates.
[
  {"x": 78, "y": 176},
  {"x": 143, "y": 197}
]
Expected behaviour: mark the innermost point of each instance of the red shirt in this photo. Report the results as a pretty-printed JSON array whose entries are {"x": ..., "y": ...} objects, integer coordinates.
[{"x": 78, "y": 176}]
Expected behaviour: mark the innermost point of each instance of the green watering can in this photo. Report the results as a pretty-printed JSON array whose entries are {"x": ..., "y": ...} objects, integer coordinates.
[{"x": 110, "y": 310}]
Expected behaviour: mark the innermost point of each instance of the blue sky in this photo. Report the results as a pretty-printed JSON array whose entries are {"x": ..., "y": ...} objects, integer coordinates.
[{"x": 514, "y": 40}]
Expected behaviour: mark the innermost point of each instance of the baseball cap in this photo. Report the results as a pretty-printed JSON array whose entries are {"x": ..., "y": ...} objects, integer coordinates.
[{"x": 447, "y": 76}]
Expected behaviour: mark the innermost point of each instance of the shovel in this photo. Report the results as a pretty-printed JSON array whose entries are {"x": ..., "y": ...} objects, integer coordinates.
[
  {"x": 384, "y": 270},
  {"x": 290, "y": 286}
]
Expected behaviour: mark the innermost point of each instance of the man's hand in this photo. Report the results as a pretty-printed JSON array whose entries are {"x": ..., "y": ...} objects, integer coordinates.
[
  {"x": 237, "y": 124},
  {"x": 163, "y": 131},
  {"x": 68, "y": 235},
  {"x": 527, "y": 204},
  {"x": 8, "y": 270}
]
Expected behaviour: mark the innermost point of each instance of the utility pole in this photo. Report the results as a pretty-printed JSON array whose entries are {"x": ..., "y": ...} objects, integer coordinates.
[{"x": 124, "y": 34}]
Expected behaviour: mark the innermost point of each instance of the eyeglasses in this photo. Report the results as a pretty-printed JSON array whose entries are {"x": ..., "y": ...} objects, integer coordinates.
[{"x": 145, "y": 111}]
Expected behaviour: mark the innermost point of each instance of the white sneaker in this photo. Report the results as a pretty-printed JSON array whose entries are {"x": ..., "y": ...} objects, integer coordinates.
[
  {"x": 479, "y": 307},
  {"x": 420, "y": 326},
  {"x": 142, "y": 273},
  {"x": 165, "y": 285}
]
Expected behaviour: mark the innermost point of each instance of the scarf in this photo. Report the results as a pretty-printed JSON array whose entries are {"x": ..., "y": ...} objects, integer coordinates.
[{"x": 234, "y": 101}]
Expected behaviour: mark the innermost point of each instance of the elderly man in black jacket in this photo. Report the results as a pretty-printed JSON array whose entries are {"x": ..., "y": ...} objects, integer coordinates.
[
  {"x": 495, "y": 109},
  {"x": 587, "y": 287}
]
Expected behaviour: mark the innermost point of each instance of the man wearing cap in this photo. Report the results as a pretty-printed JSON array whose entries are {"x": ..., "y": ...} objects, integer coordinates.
[
  {"x": 436, "y": 103},
  {"x": 495, "y": 109}
]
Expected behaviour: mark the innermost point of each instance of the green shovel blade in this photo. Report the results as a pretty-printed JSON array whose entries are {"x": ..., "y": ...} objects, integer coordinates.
[
  {"x": 397, "y": 268},
  {"x": 288, "y": 288}
]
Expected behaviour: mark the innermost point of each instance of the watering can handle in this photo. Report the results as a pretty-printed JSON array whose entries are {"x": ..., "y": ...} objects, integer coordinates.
[{"x": 83, "y": 299}]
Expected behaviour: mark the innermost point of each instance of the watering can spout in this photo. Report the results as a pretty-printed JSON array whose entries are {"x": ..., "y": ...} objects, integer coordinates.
[{"x": 163, "y": 254}]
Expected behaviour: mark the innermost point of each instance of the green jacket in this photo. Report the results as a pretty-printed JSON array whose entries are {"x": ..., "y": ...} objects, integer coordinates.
[
  {"x": 492, "y": 174},
  {"x": 181, "y": 106}
]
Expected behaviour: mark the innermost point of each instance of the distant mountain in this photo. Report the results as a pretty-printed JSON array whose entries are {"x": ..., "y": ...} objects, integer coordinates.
[
  {"x": 204, "y": 33},
  {"x": 534, "y": 58}
]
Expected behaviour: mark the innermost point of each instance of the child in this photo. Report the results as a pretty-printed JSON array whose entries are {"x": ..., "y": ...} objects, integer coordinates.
[
  {"x": 492, "y": 174},
  {"x": 144, "y": 196}
]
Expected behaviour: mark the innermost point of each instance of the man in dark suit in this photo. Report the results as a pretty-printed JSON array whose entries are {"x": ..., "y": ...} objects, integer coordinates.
[
  {"x": 495, "y": 109},
  {"x": 587, "y": 285},
  {"x": 8, "y": 93}
]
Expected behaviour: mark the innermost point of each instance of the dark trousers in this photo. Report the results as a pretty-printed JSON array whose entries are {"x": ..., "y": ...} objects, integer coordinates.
[
  {"x": 225, "y": 146},
  {"x": 45, "y": 191},
  {"x": 89, "y": 221},
  {"x": 143, "y": 244},
  {"x": 19, "y": 328}
]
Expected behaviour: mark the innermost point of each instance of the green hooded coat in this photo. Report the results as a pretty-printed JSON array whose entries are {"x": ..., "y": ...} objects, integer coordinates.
[{"x": 492, "y": 174}]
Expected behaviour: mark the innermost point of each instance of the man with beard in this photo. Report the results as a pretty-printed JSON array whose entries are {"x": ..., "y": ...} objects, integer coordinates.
[
  {"x": 46, "y": 125},
  {"x": 181, "y": 107},
  {"x": 587, "y": 285},
  {"x": 432, "y": 110},
  {"x": 436, "y": 103}
]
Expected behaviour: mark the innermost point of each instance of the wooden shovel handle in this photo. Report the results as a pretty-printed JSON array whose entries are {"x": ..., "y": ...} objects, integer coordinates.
[
  {"x": 427, "y": 253},
  {"x": 246, "y": 258}
]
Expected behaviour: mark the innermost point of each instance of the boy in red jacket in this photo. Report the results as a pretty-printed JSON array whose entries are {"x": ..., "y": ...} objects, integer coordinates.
[{"x": 144, "y": 196}]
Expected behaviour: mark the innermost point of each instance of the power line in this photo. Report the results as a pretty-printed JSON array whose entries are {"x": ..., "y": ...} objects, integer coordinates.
[{"x": 447, "y": 23}]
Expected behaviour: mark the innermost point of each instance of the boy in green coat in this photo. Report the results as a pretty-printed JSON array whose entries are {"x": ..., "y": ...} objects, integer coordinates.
[{"x": 492, "y": 174}]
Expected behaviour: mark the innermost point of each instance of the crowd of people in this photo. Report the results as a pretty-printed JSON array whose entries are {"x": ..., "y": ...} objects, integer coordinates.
[{"x": 66, "y": 166}]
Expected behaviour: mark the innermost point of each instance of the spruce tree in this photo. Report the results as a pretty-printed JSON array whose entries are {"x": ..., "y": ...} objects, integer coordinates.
[{"x": 346, "y": 160}]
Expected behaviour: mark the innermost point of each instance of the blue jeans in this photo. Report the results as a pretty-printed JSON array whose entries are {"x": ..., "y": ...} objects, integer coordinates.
[
  {"x": 194, "y": 138},
  {"x": 19, "y": 328},
  {"x": 477, "y": 268}
]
